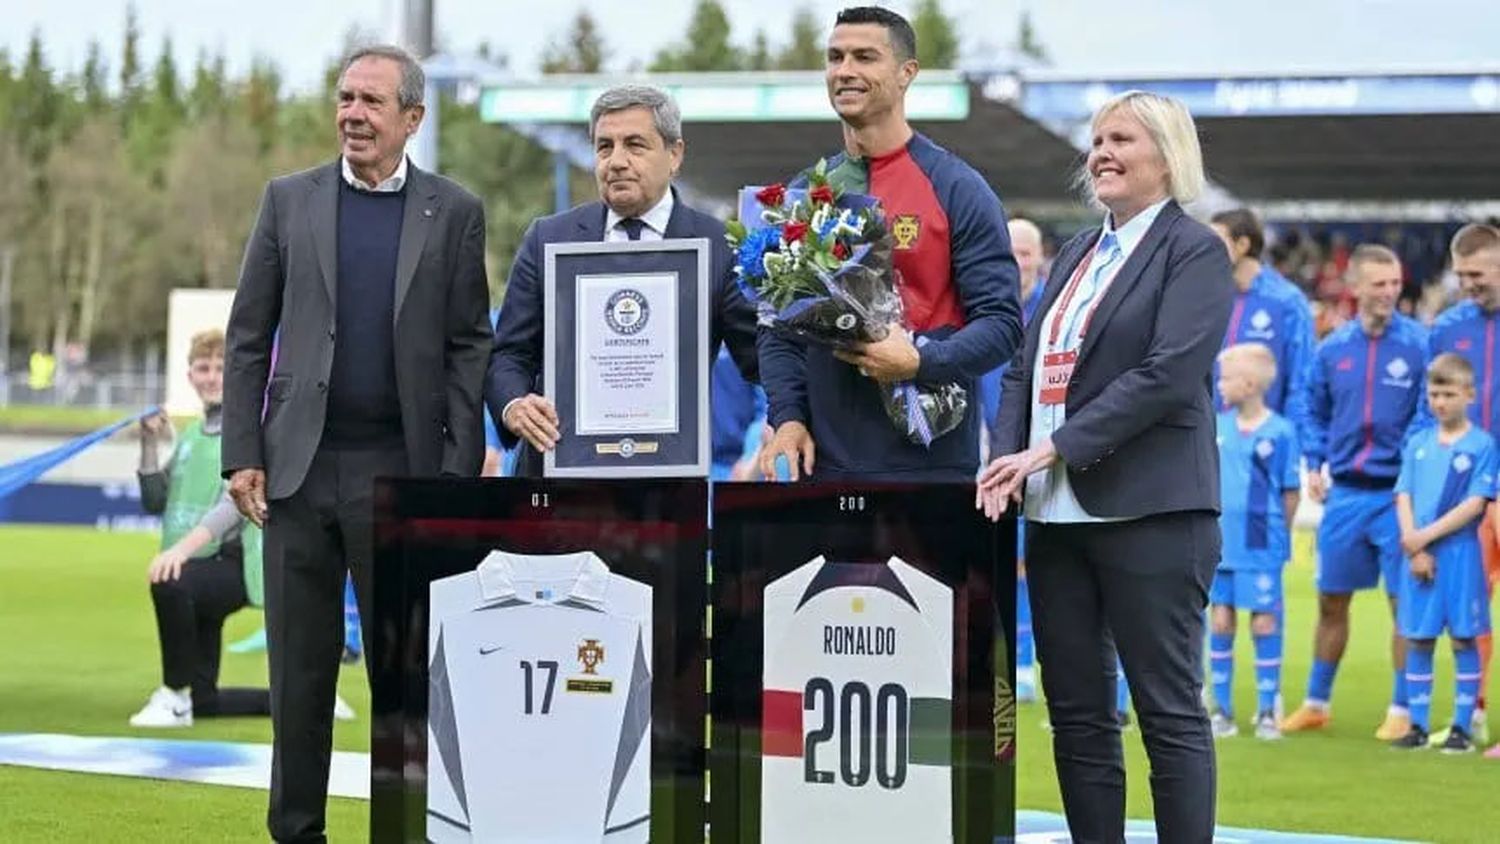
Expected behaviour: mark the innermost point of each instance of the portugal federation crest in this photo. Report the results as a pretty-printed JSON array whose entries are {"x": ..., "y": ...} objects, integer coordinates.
[
  {"x": 590, "y": 654},
  {"x": 627, "y": 311},
  {"x": 906, "y": 228}
]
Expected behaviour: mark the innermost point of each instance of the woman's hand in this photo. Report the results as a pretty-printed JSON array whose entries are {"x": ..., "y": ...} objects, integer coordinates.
[
  {"x": 1002, "y": 481},
  {"x": 993, "y": 503}
]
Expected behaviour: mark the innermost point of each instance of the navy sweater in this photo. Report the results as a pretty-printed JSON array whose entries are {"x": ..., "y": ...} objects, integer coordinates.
[{"x": 364, "y": 409}]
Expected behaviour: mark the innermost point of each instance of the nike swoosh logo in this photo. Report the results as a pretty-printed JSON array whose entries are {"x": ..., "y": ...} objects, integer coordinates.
[
  {"x": 179, "y": 713},
  {"x": 487, "y": 651}
]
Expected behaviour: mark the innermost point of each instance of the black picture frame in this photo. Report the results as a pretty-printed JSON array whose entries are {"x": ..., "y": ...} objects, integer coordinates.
[
  {"x": 652, "y": 531},
  {"x": 764, "y": 531},
  {"x": 623, "y": 453}
]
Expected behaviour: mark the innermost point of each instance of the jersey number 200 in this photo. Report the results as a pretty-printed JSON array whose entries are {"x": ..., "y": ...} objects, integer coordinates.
[{"x": 889, "y": 719}]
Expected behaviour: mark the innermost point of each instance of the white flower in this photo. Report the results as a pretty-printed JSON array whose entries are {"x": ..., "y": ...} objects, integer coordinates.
[
  {"x": 819, "y": 218},
  {"x": 847, "y": 224}
]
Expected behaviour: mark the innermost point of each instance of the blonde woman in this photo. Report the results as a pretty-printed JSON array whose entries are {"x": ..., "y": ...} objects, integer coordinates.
[{"x": 1107, "y": 428}]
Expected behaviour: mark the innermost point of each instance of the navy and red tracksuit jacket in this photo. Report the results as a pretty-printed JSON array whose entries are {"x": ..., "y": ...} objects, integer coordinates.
[{"x": 959, "y": 284}]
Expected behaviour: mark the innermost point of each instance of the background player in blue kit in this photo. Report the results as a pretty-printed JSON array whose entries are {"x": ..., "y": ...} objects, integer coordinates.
[
  {"x": 1365, "y": 387},
  {"x": 1269, "y": 310},
  {"x": 1447, "y": 479},
  {"x": 1258, "y": 479},
  {"x": 1471, "y": 329}
]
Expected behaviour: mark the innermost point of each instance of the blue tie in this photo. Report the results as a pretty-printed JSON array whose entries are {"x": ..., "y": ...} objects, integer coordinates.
[
  {"x": 1106, "y": 254},
  {"x": 633, "y": 227}
]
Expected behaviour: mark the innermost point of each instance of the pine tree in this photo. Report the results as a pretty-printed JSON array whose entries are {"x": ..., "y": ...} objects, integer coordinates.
[
  {"x": 209, "y": 95},
  {"x": 130, "y": 67},
  {"x": 806, "y": 51},
  {"x": 582, "y": 51},
  {"x": 35, "y": 104},
  {"x": 1027, "y": 42},
  {"x": 760, "y": 53},
  {"x": 95, "y": 93},
  {"x": 707, "y": 45},
  {"x": 937, "y": 36}
]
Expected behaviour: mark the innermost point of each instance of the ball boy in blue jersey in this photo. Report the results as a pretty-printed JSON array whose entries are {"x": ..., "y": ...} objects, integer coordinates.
[
  {"x": 1447, "y": 479},
  {"x": 1363, "y": 394},
  {"x": 1259, "y": 488}
]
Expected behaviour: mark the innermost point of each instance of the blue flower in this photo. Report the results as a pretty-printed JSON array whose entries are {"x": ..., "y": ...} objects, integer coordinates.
[{"x": 753, "y": 250}]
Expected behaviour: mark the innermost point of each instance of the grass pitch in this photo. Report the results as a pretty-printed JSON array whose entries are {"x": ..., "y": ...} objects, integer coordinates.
[{"x": 80, "y": 656}]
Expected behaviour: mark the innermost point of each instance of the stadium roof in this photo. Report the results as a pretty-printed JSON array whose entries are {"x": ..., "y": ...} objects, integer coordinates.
[
  {"x": 1362, "y": 138},
  {"x": 753, "y": 128},
  {"x": 1396, "y": 142}
]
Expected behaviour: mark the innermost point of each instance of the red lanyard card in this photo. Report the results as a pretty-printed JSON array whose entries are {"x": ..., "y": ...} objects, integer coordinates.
[{"x": 1057, "y": 371}]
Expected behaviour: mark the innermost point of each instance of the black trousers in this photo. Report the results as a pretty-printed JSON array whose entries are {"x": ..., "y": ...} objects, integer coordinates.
[
  {"x": 190, "y": 613},
  {"x": 1139, "y": 587},
  {"x": 312, "y": 538}
]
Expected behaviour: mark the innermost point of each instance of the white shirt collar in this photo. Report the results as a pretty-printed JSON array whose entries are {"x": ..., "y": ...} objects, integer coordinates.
[
  {"x": 1134, "y": 230},
  {"x": 499, "y": 572},
  {"x": 391, "y": 184},
  {"x": 656, "y": 218}
]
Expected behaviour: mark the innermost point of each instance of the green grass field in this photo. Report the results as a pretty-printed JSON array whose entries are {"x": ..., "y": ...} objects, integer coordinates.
[{"x": 80, "y": 657}]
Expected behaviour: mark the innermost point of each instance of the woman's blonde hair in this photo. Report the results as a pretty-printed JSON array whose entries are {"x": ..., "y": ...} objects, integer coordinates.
[{"x": 1172, "y": 130}]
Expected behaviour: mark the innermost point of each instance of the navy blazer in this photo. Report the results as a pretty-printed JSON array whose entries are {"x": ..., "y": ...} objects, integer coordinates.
[
  {"x": 1139, "y": 437},
  {"x": 515, "y": 367}
]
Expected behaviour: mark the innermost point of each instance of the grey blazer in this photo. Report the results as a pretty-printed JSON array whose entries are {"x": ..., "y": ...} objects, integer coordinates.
[
  {"x": 287, "y": 282},
  {"x": 1139, "y": 436}
]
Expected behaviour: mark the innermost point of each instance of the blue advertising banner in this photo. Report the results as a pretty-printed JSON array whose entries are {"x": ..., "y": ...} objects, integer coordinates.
[{"x": 1277, "y": 97}]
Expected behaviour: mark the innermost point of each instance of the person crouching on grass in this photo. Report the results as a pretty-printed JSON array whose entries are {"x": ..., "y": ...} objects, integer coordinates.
[
  {"x": 1259, "y": 485},
  {"x": 210, "y": 563},
  {"x": 200, "y": 576},
  {"x": 1447, "y": 478}
]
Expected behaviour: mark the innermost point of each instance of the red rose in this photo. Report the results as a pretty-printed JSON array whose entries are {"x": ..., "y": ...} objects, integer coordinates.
[
  {"x": 794, "y": 232},
  {"x": 821, "y": 194},
  {"x": 840, "y": 251},
  {"x": 771, "y": 196}
]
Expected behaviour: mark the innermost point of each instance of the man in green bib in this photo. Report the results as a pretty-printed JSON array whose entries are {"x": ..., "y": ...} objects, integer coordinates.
[{"x": 210, "y": 562}]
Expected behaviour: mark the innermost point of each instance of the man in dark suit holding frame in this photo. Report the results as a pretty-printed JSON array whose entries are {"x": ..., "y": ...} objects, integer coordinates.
[{"x": 638, "y": 148}]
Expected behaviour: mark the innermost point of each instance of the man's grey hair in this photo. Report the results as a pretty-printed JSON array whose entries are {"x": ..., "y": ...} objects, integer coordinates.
[
  {"x": 664, "y": 111},
  {"x": 413, "y": 78}
]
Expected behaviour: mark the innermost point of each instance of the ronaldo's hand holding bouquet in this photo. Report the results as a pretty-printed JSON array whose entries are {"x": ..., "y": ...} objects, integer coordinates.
[{"x": 817, "y": 265}]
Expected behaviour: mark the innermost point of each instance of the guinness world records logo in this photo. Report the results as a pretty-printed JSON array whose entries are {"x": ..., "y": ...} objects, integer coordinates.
[{"x": 626, "y": 311}]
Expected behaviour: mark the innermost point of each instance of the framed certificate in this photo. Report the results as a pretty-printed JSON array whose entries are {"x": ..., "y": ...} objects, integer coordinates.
[{"x": 626, "y": 339}]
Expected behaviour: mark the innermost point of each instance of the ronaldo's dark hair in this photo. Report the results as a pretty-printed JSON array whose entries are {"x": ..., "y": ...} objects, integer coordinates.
[{"x": 903, "y": 37}]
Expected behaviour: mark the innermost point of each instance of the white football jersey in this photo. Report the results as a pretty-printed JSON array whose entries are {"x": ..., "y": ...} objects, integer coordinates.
[
  {"x": 539, "y": 708},
  {"x": 857, "y": 705}
]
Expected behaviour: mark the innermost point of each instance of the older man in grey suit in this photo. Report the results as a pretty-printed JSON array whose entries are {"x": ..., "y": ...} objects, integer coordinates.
[{"x": 372, "y": 272}]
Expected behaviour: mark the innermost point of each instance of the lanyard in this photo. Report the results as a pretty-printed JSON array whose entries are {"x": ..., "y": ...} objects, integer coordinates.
[{"x": 1072, "y": 288}]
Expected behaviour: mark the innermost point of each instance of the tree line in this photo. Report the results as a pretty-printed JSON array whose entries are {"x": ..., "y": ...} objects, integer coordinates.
[{"x": 125, "y": 182}]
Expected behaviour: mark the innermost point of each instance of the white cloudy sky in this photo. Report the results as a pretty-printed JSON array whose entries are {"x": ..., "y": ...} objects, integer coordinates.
[{"x": 1094, "y": 36}]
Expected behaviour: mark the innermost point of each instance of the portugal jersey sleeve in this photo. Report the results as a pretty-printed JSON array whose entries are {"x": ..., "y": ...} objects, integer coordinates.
[
  {"x": 857, "y": 705},
  {"x": 539, "y": 711}
]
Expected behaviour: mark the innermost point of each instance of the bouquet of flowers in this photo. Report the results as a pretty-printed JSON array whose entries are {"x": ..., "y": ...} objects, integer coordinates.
[{"x": 818, "y": 265}]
